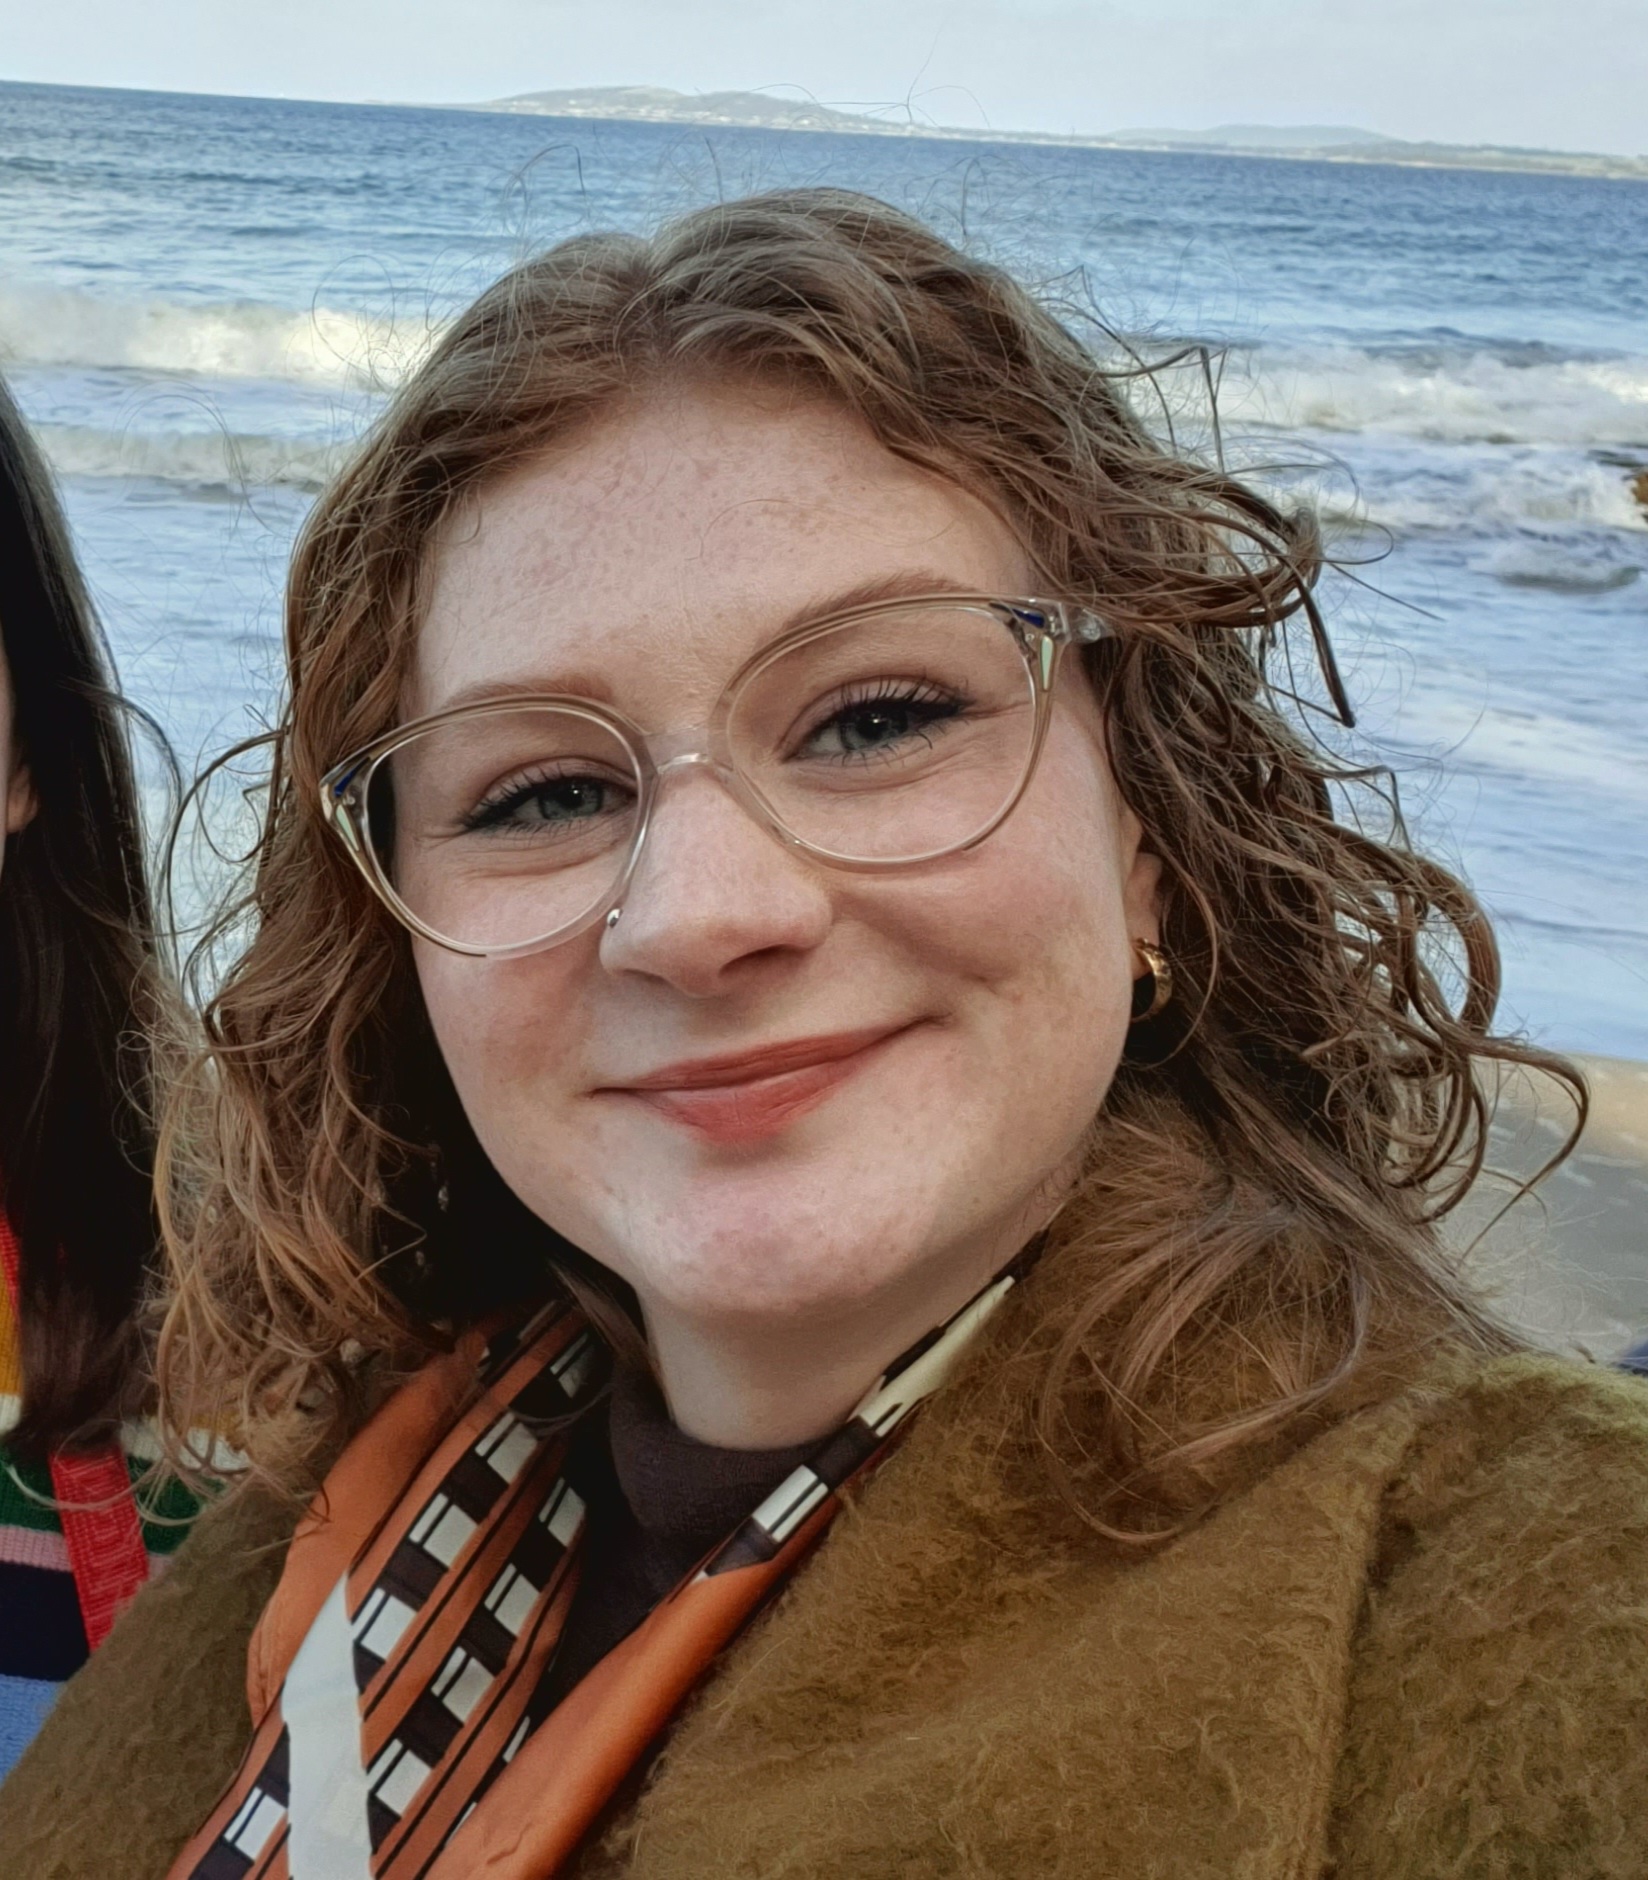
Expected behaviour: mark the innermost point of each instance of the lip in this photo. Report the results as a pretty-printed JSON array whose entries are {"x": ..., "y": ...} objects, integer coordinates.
[{"x": 749, "y": 1096}]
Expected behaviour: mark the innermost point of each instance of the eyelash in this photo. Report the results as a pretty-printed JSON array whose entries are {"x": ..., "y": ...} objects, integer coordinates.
[
  {"x": 910, "y": 692},
  {"x": 493, "y": 809}
]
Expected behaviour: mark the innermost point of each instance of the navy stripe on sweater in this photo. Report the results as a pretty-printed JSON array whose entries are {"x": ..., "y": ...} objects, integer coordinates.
[{"x": 41, "y": 1631}]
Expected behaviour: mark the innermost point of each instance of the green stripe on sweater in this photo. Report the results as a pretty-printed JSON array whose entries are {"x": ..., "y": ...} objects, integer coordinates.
[{"x": 165, "y": 1505}]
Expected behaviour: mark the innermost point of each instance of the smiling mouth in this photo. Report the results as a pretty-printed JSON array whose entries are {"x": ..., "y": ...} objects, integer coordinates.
[{"x": 749, "y": 1096}]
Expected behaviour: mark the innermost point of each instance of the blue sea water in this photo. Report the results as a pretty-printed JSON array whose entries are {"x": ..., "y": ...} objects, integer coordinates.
[{"x": 203, "y": 300}]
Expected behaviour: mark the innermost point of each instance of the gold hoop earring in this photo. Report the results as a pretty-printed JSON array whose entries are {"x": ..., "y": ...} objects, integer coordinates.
[{"x": 1160, "y": 973}]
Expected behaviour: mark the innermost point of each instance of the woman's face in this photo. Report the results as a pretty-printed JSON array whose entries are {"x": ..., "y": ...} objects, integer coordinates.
[
  {"x": 981, "y": 1002},
  {"x": 16, "y": 798}
]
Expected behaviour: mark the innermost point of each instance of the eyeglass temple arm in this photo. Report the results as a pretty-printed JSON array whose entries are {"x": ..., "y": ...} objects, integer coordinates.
[
  {"x": 1086, "y": 628},
  {"x": 337, "y": 804}
]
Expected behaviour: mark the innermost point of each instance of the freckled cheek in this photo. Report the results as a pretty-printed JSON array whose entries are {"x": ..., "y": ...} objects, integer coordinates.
[
  {"x": 1031, "y": 938},
  {"x": 505, "y": 1029},
  {"x": 1030, "y": 906}
]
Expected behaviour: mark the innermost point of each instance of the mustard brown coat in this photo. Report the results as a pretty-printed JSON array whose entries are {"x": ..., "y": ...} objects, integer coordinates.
[{"x": 1415, "y": 1648}]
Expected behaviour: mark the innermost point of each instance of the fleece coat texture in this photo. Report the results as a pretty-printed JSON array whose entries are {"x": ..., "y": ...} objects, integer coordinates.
[{"x": 1414, "y": 1648}]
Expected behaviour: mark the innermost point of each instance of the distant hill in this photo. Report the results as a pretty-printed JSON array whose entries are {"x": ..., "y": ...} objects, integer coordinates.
[
  {"x": 654, "y": 103},
  {"x": 1322, "y": 143}
]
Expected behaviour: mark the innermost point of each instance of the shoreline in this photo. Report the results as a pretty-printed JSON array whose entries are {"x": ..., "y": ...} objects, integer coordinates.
[{"x": 1567, "y": 1264}]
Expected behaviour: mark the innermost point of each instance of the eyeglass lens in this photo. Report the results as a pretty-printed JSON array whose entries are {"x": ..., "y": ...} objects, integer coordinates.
[{"x": 888, "y": 738}]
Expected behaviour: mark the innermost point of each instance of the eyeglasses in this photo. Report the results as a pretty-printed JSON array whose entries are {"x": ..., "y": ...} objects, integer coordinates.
[{"x": 876, "y": 739}]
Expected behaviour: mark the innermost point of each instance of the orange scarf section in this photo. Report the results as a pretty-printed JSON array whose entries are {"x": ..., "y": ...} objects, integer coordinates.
[
  {"x": 95, "y": 1505},
  {"x": 394, "y": 1673}
]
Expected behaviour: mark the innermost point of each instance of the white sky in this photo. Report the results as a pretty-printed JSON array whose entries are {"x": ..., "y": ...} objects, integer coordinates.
[{"x": 1569, "y": 74}]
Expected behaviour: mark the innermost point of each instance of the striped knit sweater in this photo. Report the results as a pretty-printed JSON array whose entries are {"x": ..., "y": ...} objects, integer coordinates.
[{"x": 42, "y": 1633}]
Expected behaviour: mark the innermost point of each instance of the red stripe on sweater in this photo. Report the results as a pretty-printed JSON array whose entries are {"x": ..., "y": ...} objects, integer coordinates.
[{"x": 96, "y": 1507}]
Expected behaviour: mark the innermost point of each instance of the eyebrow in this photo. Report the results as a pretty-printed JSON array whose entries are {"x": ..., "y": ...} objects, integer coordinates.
[{"x": 911, "y": 584}]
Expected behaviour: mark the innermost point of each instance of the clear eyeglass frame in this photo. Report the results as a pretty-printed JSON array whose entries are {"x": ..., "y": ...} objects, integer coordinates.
[{"x": 1040, "y": 629}]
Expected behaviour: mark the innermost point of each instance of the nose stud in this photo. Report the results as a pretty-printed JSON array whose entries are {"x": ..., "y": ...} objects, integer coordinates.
[{"x": 612, "y": 918}]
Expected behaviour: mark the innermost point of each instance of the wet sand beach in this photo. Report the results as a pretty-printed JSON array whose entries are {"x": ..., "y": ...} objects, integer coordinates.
[{"x": 1569, "y": 1263}]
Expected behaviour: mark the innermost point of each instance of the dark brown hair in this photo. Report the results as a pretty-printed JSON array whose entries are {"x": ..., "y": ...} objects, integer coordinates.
[
  {"x": 79, "y": 986},
  {"x": 1266, "y": 1173}
]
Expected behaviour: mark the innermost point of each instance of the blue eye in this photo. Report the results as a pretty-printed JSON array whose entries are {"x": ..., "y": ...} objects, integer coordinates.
[
  {"x": 892, "y": 715},
  {"x": 549, "y": 804},
  {"x": 568, "y": 801}
]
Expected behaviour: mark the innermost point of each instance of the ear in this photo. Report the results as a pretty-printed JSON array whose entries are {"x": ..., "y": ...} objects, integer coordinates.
[
  {"x": 21, "y": 802},
  {"x": 1142, "y": 883}
]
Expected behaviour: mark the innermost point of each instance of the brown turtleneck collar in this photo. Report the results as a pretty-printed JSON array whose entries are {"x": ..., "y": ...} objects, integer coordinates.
[{"x": 658, "y": 1502}]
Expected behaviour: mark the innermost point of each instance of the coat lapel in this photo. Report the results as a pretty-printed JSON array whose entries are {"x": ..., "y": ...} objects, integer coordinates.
[{"x": 967, "y": 1681}]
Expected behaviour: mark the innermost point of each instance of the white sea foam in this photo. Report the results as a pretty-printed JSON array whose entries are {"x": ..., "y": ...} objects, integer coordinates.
[
  {"x": 322, "y": 346},
  {"x": 1557, "y": 567},
  {"x": 1521, "y": 742},
  {"x": 1455, "y": 394},
  {"x": 207, "y": 460},
  {"x": 1548, "y": 492}
]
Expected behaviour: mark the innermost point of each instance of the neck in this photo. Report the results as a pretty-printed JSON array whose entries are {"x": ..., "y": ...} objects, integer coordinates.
[{"x": 745, "y": 1383}]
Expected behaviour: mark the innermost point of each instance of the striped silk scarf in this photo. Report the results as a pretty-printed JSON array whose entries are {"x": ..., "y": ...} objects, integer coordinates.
[{"x": 395, "y": 1671}]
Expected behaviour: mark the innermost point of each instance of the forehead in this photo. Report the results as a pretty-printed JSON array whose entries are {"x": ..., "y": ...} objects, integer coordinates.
[{"x": 643, "y": 562}]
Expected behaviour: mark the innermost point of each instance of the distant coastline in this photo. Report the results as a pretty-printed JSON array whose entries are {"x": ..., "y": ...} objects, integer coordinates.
[{"x": 1311, "y": 143}]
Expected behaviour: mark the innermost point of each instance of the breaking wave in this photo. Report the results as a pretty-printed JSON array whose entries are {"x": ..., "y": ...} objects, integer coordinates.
[
  {"x": 322, "y": 347},
  {"x": 207, "y": 460},
  {"x": 1526, "y": 431},
  {"x": 1549, "y": 492},
  {"x": 1453, "y": 392},
  {"x": 1448, "y": 394}
]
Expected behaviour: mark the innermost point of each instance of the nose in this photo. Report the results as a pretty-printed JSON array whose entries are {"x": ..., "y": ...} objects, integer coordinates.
[{"x": 713, "y": 893}]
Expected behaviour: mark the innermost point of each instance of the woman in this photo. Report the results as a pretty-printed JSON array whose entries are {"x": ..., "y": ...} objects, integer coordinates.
[
  {"x": 780, "y": 822},
  {"x": 78, "y": 990}
]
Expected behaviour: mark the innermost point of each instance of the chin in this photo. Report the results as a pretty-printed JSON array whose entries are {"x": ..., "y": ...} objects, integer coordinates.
[{"x": 771, "y": 1239}]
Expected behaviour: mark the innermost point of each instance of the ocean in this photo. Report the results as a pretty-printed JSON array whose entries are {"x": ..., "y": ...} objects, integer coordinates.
[{"x": 203, "y": 301}]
